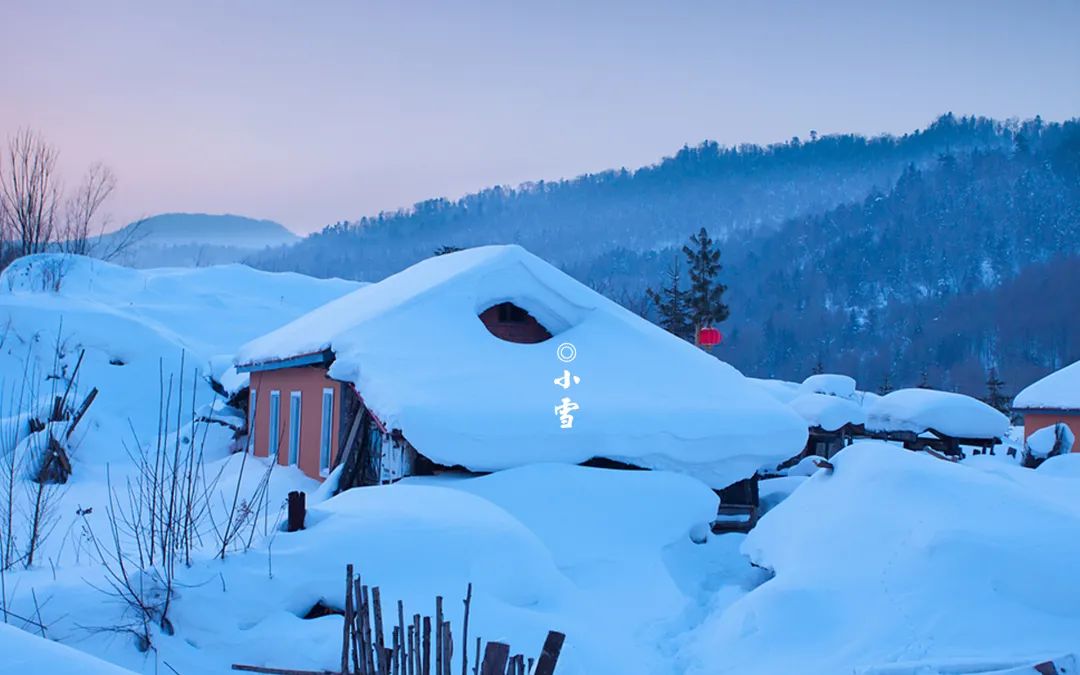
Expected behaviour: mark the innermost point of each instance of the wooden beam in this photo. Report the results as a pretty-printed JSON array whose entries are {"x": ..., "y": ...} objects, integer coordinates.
[
  {"x": 549, "y": 654},
  {"x": 495, "y": 657}
]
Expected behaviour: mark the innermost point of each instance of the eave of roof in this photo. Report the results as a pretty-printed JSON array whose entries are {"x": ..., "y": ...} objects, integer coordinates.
[
  {"x": 323, "y": 357},
  {"x": 1044, "y": 410}
]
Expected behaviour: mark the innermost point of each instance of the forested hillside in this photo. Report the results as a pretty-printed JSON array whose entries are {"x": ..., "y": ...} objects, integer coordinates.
[{"x": 927, "y": 257}]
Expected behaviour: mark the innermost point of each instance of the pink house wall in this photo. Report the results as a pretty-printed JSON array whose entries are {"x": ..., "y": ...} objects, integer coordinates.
[
  {"x": 1035, "y": 421},
  {"x": 310, "y": 382}
]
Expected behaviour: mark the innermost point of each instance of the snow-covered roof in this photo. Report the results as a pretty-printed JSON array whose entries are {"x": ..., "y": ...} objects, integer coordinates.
[
  {"x": 828, "y": 412},
  {"x": 417, "y": 352},
  {"x": 781, "y": 390},
  {"x": 828, "y": 383},
  {"x": 919, "y": 410},
  {"x": 1060, "y": 390}
]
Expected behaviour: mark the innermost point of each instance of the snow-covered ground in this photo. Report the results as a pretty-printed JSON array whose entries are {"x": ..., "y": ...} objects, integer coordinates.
[{"x": 893, "y": 562}]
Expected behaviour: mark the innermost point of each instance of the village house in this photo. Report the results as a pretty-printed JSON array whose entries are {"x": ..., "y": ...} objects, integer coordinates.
[
  {"x": 488, "y": 359},
  {"x": 1055, "y": 399}
]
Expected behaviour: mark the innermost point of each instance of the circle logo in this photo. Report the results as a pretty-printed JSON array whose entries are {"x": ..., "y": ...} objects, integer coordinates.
[{"x": 566, "y": 352}]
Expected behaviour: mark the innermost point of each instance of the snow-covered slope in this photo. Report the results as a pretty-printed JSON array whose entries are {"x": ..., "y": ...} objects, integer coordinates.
[
  {"x": 1060, "y": 390},
  {"x": 897, "y": 556},
  {"x": 22, "y": 652},
  {"x": 424, "y": 362}
]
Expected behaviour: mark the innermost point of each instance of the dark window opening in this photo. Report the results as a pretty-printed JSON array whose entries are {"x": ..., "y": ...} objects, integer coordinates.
[{"x": 513, "y": 324}]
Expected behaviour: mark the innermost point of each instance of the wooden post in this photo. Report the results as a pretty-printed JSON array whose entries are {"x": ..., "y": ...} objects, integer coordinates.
[
  {"x": 495, "y": 656},
  {"x": 417, "y": 668},
  {"x": 448, "y": 647},
  {"x": 438, "y": 636},
  {"x": 402, "y": 656},
  {"x": 465, "y": 633},
  {"x": 347, "y": 624},
  {"x": 380, "y": 643},
  {"x": 369, "y": 657},
  {"x": 395, "y": 653},
  {"x": 427, "y": 646},
  {"x": 297, "y": 513},
  {"x": 476, "y": 663},
  {"x": 549, "y": 654}
]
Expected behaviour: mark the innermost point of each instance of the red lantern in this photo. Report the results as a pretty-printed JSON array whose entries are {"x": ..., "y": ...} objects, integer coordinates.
[{"x": 709, "y": 337}]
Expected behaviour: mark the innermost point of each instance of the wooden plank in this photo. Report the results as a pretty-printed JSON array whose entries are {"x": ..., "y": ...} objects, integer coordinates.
[
  {"x": 81, "y": 411},
  {"x": 280, "y": 671},
  {"x": 346, "y": 642},
  {"x": 465, "y": 633},
  {"x": 438, "y": 636},
  {"x": 549, "y": 654},
  {"x": 495, "y": 657},
  {"x": 380, "y": 643}
]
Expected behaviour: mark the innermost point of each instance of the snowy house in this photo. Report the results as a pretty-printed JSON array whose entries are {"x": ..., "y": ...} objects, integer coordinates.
[
  {"x": 833, "y": 409},
  {"x": 938, "y": 420},
  {"x": 490, "y": 358},
  {"x": 1052, "y": 400}
]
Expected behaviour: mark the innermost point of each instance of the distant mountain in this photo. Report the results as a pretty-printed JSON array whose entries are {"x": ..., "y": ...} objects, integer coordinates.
[
  {"x": 195, "y": 239},
  {"x": 736, "y": 192}
]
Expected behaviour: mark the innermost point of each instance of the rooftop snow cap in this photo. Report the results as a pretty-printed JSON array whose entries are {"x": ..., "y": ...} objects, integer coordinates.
[
  {"x": 415, "y": 350},
  {"x": 920, "y": 410},
  {"x": 1060, "y": 390}
]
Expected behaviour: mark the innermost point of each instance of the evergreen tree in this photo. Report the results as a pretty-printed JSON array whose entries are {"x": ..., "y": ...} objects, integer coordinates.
[
  {"x": 443, "y": 250},
  {"x": 995, "y": 398},
  {"x": 886, "y": 386},
  {"x": 924, "y": 380},
  {"x": 706, "y": 297},
  {"x": 672, "y": 302},
  {"x": 818, "y": 368}
]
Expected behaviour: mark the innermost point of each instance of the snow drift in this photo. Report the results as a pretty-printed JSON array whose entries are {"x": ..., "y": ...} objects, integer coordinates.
[
  {"x": 897, "y": 556},
  {"x": 424, "y": 363}
]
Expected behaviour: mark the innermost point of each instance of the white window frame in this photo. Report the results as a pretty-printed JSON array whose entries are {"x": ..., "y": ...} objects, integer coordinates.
[
  {"x": 296, "y": 412},
  {"x": 253, "y": 420},
  {"x": 326, "y": 433},
  {"x": 274, "y": 428}
]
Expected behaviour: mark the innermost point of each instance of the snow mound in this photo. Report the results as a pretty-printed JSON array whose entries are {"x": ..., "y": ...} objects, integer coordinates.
[
  {"x": 424, "y": 362},
  {"x": 829, "y": 384},
  {"x": 920, "y": 410},
  {"x": 1044, "y": 441},
  {"x": 830, "y": 412},
  {"x": 898, "y": 556},
  {"x": 1063, "y": 466},
  {"x": 1059, "y": 390},
  {"x": 26, "y": 653},
  {"x": 781, "y": 390}
]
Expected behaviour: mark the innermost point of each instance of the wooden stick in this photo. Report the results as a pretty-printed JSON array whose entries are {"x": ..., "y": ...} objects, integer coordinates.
[
  {"x": 395, "y": 660},
  {"x": 448, "y": 647},
  {"x": 410, "y": 658},
  {"x": 369, "y": 658},
  {"x": 476, "y": 663},
  {"x": 417, "y": 668},
  {"x": 427, "y": 646},
  {"x": 380, "y": 643},
  {"x": 347, "y": 624},
  {"x": 359, "y": 618},
  {"x": 280, "y": 671},
  {"x": 403, "y": 653},
  {"x": 81, "y": 411},
  {"x": 438, "y": 636},
  {"x": 465, "y": 633}
]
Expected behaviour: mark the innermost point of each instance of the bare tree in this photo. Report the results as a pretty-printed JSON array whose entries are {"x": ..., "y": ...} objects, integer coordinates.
[
  {"x": 83, "y": 208},
  {"x": 30, "y": 193}
]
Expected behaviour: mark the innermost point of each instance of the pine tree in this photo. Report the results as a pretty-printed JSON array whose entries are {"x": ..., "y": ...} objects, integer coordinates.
[
  {"x": 995, "y": 398},
  {"x": 818, "y": 368},
  {"x": 672, "y": 302},
  {"x": 924, "y": 380},
  {"x": 706, "y": 296},
  {"x": 886, "y": 386}
]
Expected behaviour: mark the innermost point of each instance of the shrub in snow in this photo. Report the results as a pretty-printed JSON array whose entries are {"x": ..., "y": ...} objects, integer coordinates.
[{"x": 1050, "y": 441}]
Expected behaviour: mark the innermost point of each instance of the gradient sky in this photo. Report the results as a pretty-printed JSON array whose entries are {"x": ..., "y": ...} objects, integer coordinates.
[{"x": 312, "y": 112}]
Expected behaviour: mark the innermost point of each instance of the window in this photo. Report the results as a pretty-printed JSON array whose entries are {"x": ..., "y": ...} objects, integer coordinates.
[
  {"x": 275, "y": 424},
  {"x": 510, "y": 313},
  {"x": 327, "y": 428},
  {"x": 252, "y": 402},
  {"x": 294, "y": 427}
]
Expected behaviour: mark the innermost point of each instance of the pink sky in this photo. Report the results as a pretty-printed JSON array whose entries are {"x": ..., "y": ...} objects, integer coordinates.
[{"x": 312, "y": 112}]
